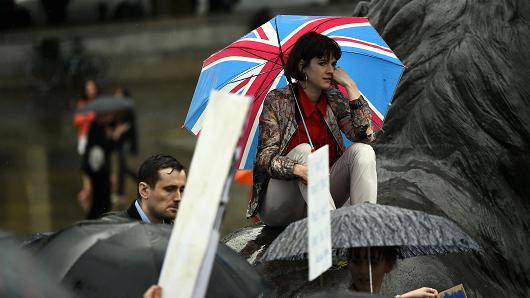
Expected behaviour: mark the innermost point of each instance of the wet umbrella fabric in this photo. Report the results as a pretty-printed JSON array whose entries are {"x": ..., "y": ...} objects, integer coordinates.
[
  {"x": 253, "y": 65},
  {"x": 102, "y": 259},
  {"x": 20, "y": 274},
  {"x": 415, "y": 233},
  {"x": 106, "y": 104}
]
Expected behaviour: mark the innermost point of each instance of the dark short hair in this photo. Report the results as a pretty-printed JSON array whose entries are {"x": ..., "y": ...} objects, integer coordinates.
[
  {"x": 148, "y": 171},
  {"x": 307, "y": 47}
]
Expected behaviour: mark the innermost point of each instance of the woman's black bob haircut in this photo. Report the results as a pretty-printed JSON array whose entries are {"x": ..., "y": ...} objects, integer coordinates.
[{"x": 307, "y": 47}]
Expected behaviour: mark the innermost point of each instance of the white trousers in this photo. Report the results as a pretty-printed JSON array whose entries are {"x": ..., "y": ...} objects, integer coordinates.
[{"x": 353, "y": 179}]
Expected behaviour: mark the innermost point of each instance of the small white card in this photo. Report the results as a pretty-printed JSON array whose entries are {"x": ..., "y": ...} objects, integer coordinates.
[
  {"x": 191, "y": 249},
  {"x": 318, "y": 209}
]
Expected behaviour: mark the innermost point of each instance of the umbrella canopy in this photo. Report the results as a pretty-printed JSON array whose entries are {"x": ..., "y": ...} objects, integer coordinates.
[
  {"x": 102, "y": 259},
  {"x": 106, "y": 104},
  {"x": 415, "y": 233},
  {"x": 21, "y": 276},
  {"x": 253, "y": 66}
]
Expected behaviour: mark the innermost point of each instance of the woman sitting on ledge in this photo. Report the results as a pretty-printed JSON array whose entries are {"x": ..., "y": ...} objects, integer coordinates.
[{"x": 280, "y": 168}]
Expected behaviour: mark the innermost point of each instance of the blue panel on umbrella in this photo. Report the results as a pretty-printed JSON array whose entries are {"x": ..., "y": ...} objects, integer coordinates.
[
  {"x": 213, "y": 79},
  {"x": 250, "y": 35},
  {"x": 376, "y": 78}
]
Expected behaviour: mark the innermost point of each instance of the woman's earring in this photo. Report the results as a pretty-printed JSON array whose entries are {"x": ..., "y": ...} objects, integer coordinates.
[{"x": 304, "y": 83}]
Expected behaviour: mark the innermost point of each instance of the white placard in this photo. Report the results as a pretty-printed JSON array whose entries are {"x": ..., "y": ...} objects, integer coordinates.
[
  {"x": 188, "y": 261},
  {"x": 318, "y": 208}
]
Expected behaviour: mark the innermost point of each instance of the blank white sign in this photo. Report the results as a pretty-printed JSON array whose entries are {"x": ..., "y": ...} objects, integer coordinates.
[
  {"x": 186, "y": 269},
  {"x": 318, "y": 208}
]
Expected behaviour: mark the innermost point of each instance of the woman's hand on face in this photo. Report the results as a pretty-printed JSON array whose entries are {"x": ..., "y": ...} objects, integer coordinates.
[
  {"x": 421, "y": 293},
  {"x": 342, "y": 78},
  {"x": 300, "y": 171}
]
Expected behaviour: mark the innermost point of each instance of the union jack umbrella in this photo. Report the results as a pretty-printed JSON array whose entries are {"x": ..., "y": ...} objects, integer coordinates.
[{"x": 253, "y": 66}]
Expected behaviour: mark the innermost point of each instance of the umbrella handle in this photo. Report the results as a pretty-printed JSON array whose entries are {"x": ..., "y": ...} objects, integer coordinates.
[{"x": 291, "y": 87}]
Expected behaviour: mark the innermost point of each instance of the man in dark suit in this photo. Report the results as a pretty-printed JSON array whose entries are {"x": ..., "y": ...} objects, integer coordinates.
[{"x": 161, "y": 182}]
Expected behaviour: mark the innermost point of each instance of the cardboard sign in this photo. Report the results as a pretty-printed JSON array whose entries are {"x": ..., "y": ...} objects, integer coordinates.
[
  {"x": 454, "y": 292},
  {"x": 191, "y": 249},
  {"x": 318, "y": 208}
]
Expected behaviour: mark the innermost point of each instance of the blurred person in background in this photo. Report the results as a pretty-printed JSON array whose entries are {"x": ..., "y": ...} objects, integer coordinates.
[
  {"x": 46, "y": 70},
  {"x": 95, "y": 195},
  {"x": 82, "y": 65},
  {"x": 82, "y": 121}
]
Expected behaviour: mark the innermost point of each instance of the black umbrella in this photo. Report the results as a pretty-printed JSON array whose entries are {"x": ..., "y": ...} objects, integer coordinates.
[
  {"x": 21, "y": 276},
  {"x": 106, "y": 104},
  {"x": 102, "y": 259},
  {"x": 415, "y": 233}
]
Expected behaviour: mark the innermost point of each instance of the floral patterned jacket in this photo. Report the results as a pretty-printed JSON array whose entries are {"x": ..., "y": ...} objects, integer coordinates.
[{"x": 278, "y": 123}]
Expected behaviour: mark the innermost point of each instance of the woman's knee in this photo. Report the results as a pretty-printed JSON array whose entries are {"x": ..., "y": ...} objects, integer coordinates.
[{"x": 361, "y": 153}]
